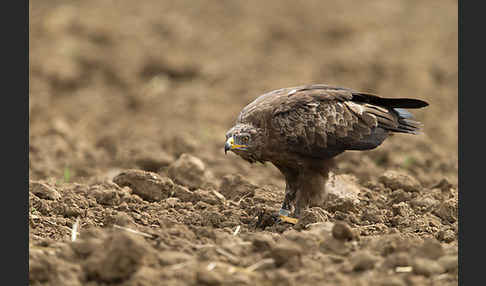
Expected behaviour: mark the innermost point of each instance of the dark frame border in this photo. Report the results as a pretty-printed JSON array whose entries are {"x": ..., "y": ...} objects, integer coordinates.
[{"x": 15, "y": 121}]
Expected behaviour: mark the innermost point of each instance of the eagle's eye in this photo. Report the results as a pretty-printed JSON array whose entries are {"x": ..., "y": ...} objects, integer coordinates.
[{"x": 245, "y": 139}]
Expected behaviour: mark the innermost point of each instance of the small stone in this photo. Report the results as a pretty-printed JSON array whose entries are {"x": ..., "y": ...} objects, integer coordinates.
[
  {"x": 342, "y": 231},
  {"x": 189, "y": 171},
  {"x": 149, "y": 186},
  {"x": 446, "y": 235},
  {"x": 43, "y": 191},
  {"x": 400, "y": 180}
]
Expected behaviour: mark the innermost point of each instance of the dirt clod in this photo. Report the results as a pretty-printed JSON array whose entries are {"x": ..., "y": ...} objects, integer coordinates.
[
  {"x": 235, "y": 187},
  {"x": 447, "y": 211},
  {"x": 117, "y": 258},
  {"x": 189, "y": 171},
  {"x": 342, "y": 231},
  {"x": 426, "y": 267},
  {"x": 446, "y": 235},
  {"x": 400, "y": 180},
  {"x": 312, "y": 216},
  {"x": 149, "y": 186},
  {"x": 43, "y": 191}
]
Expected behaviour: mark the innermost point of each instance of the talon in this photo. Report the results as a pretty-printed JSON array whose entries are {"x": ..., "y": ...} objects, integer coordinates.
[
  {"x": 284, "y": 215},
  {"x": 288, "y": 219}
]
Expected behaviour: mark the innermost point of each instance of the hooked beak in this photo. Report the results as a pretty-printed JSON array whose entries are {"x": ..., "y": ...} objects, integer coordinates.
[
  {"x": 227, "y": 145},
  {"x": 230, "y": 145}
]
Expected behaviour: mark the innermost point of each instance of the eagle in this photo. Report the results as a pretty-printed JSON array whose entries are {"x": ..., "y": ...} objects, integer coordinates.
[{"x": 301, "y": 129}]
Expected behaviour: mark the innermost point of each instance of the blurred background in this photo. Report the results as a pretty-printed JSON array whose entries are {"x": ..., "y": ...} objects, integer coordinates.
[{"x": 134, "y": 84}]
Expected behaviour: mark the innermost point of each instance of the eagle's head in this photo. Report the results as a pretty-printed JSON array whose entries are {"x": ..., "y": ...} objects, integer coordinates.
[{"x": 246, "y": 141}]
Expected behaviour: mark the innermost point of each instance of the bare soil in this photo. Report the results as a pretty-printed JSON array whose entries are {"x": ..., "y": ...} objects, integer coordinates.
[{"x": 129, "y": 103}]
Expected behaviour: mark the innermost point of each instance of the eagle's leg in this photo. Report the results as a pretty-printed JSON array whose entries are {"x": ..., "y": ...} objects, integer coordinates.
[
  {"x": 312, "y": 191},
  {"x": 288, "y": 200},
  {"x": 290, "y": 193},
  {"x": 286, "y": 209}
]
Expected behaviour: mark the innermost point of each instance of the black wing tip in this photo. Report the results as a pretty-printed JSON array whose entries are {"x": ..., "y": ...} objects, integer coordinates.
[
  {"x": 389, "y": 102},
  {"x": 418, "y": 103},
  {"x": 403, "y": 103}
]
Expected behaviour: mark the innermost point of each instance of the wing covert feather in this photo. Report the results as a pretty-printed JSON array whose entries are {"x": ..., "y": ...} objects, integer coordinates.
[{"x": 323, "y": 123}]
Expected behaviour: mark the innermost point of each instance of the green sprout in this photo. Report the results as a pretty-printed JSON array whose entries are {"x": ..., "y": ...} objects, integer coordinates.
[
  {"x": 409, "y": 161},
  {"x": 67, "y": 175}
]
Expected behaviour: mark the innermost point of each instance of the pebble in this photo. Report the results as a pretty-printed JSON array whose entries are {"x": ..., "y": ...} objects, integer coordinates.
[{"x": 342, "y": 231}]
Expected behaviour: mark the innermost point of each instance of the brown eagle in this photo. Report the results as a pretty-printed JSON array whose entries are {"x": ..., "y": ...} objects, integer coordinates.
[{"x": 301, "y": 129}]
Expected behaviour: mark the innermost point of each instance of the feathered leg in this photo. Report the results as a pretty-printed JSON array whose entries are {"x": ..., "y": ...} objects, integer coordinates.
[
  {"x": 311, "y": 187},
  {"x": 291, "y": 177}
]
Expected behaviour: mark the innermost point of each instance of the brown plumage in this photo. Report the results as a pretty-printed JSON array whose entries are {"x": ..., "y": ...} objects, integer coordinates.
[{"x": 301, "y": 129}]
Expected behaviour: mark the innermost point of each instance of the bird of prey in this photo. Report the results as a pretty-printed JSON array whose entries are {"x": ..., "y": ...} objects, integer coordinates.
[{"x": 301, "y": 129}]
